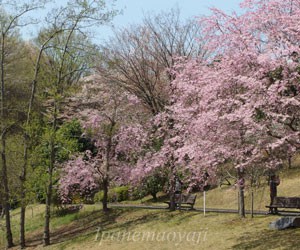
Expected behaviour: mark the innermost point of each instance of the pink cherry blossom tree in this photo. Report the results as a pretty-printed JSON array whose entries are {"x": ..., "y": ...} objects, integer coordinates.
[
  {"x": 112, "y": 120},
  {"x": 242, "y": 104}
]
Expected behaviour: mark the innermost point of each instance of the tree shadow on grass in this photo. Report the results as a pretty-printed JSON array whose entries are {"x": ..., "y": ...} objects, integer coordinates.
[
  {"x": 270, "y": 239},
  {"x": 87, "y": 224}
]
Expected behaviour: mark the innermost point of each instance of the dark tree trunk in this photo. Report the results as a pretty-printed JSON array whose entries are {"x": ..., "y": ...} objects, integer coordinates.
[
  {"x": 172, "y": 194},
  {"x": 46, "y": 237},
  {"x": 289, "y": 162},
  {"x": 6, "y": 205},
  {"x": 241, "y": 203},
  {"x": 172, "y": 201},
  {"x": 4, "y": 176},
  {"x": 23, "y": 176},
  {"x": 105, "y": 194},
  {"x": 22, "y": 226},
  {"x": 23, "y": 197},
  {"x": 107, "y": 165},
  {"x": 241, "y": 185},
  {"x": 2, "y": 214},
  {"x": 154, "y": 196}
]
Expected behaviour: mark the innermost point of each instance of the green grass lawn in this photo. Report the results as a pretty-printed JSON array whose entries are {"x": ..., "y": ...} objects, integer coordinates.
[
  {"x": 160, "y": 229},
  {"x": 132, "y": 229}
]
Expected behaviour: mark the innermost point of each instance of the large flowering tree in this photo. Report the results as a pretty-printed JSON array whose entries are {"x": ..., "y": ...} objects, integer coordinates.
[{"x": 242, "y": 104}]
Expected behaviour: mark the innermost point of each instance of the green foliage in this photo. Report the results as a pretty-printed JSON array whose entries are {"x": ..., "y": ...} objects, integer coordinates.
[
  {"x": 122, "y": 193},
  {"x": 291, "y": 90},
  {"x": 67, "y": 137},
  {"x": 157, "y": 143},
  {"x": 71, "y": 130},
  {"x": 259, "y": 114},
  {"x": 67, "y": 143},
  {"x": 138, "y": 193},
  {"x": 115, "y": 194},
  {"x": 37, "y": 183},
  {"x": 276, "y": 74},
  {"x": 154, "y": 183}
]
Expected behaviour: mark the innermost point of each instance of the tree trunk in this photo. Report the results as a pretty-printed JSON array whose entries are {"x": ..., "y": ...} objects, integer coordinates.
[
  {"x": 4, "y": 176},
  {"x": 105, "y": 194},
  {"x": 172, "y": 194},
  {"x": 46, "y": 237},
  {"x": 241, "y": 202},
  {"x": 2, "y": 213},
  {"x": 241, "y": 186},
  {"x": 22, "y": 215},
  {"x": 289, "y": 162},
  {"x": 107, "y": 165},
  {"x": 22, "y": 226},
  {"x": 154, "y": 196},
  {"x": 23, "y": 197},
  {"x": 6, "y": 205},
  {"x": 172, "y": 201},
  {"x": 23, "y": 176}
]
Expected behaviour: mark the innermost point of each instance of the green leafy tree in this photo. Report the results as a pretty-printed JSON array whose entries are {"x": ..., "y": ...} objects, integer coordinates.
[
  {"x": 67, "y": 54},
  {"x": 13, "y": 90}
]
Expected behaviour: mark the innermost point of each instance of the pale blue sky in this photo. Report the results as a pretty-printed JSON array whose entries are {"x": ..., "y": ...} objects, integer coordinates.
[{"x": 134, "y": 10}]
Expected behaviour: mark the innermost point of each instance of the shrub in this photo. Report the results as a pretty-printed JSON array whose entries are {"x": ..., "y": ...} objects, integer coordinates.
[
  {"x": 138, "y": 193},
  {"x": 116, "y": 194},
  {"x": 154, "y": 183}
]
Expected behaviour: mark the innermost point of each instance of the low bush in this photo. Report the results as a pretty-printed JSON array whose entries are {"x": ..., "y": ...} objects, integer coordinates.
[{"x": 115, "y": 194}]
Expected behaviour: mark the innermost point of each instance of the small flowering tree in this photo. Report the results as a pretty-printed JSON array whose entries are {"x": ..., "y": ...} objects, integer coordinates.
[{"x": 111, "y": 119}]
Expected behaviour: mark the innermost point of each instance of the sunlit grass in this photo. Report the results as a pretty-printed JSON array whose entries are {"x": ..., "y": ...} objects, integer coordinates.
[
  {"x": 124, "y": 229},
  {"x": 222, "y": 231}
]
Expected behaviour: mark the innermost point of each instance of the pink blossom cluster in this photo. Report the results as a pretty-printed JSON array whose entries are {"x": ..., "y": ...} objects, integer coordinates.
[{"x": 80, "y": 176}]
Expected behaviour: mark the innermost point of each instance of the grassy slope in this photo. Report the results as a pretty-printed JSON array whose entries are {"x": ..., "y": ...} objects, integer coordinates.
[
  {"x": 226, "y": 196},
  {"x": 167, "y": 230}
]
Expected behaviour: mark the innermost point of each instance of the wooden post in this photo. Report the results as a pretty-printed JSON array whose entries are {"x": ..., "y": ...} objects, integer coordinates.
[
  {"x": 238, "y": 201},
  {"x": 252, "y": 204},
  {"x": 204, "y": 203}
]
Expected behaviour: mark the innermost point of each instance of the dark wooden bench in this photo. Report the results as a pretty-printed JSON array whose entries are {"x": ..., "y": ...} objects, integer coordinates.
[
  {"x": 183, "y": 201},
  {"x": 68, "y": 208},
  {"x": 285, "y": 202},
  {"x": 75, "y": 208}
]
